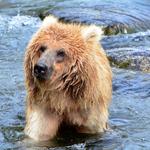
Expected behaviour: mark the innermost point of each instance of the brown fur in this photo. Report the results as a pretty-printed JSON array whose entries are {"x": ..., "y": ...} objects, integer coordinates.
[{"x": 79, "y": 90}]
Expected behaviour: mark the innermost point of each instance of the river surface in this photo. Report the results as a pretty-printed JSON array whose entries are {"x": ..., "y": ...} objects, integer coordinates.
[{"x": 130, "y": 107}]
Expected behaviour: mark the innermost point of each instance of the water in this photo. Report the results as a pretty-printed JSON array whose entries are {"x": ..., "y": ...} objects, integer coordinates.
[
  {"x": 129, "y": 111},
  {"x": 134, "y": 15}
]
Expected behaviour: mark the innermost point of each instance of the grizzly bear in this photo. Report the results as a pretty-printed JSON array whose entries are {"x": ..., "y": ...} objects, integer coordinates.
[{"x": 68, "y": 80}]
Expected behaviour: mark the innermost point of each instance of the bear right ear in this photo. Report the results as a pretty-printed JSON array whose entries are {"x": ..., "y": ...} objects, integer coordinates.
[
  {"x": 49, "y": 20},
  {"x": 91, "y": 32}
]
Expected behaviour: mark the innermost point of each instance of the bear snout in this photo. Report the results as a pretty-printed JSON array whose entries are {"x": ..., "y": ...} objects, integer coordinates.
[{"x": 42, "y": 72}]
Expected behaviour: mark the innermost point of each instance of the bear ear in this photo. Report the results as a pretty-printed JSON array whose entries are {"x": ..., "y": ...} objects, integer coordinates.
[
  {"x": 49, "y": 20},
  {"x": 92, "y": 32}
]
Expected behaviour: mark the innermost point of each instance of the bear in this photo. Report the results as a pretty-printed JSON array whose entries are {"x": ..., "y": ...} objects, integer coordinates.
[{"x": 68, "y": 80}]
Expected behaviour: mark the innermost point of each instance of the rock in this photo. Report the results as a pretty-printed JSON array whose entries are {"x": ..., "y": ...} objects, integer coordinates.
[
  {"x": 131, "y": 51},
  {"x": 130, "y": 58}
]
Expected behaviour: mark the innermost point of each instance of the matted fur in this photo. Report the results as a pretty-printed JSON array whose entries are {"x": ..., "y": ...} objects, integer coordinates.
[{"x": 79, "y": 92}]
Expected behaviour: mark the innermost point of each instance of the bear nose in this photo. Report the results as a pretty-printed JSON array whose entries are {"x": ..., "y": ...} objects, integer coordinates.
[{"x": 40, "y": 70}]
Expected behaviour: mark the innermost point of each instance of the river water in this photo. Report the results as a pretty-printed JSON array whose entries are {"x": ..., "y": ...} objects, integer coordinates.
[{"x": 129, "y": 111}]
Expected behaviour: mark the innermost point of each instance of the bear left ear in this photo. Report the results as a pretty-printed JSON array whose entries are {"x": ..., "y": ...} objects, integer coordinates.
[
  {"x": 92, "y": 33},
  {"x": 49, "y": 20}
]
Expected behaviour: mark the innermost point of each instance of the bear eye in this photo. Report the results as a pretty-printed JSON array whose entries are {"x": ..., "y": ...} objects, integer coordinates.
[
  {"x": 42, "y": 48},
  {"x": 60, "y": 55}
]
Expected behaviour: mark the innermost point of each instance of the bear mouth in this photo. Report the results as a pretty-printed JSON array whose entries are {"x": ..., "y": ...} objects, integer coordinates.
[{"x": 40, "y": 78}]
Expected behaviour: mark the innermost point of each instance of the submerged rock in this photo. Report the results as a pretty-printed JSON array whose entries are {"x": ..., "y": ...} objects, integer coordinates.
[
  {"x": 129, "y": 51},
  {"x": 115, "y": 29},
  {"x": 130, "y": 58}
]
